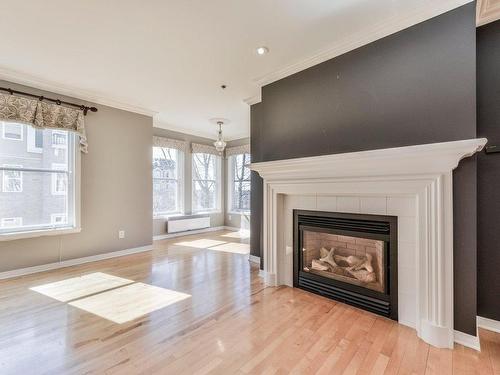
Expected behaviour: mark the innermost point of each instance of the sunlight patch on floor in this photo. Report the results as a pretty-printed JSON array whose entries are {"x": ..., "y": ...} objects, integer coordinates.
[
  {"x": 129, "y": 302},
  {"x": 235, "y": 248},
  {"x": 201, "y": 243},
  {"x": 77, "y": 287},
  {"x": 242, "y": 234}
]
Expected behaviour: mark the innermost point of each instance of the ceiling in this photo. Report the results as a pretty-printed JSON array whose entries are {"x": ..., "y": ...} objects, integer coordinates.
[{"x": 168, "y": 58}]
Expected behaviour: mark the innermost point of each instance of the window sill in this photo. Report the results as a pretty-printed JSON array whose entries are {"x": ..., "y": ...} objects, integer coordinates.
[
  {"x": 38, "y": 233},
  {"x": 242, "y": 213},
  {"x": 167, "y": 216},
  {"x": 207, "y": 212}
]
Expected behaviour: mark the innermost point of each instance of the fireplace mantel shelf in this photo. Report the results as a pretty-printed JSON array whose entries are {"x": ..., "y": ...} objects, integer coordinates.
[
  {"x": 426, "y": 158},
  {"x": 422, "y": 174}
]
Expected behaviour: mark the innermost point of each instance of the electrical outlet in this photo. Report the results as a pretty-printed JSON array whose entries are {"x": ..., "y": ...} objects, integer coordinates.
[
  {"x": 288, "y": 250},
  {"x": 230, "y": 217},
  {"x": 121, "y": 234}
]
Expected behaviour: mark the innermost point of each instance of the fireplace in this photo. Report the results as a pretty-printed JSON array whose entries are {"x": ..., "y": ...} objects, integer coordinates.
[{"x": 351, "y": 258}]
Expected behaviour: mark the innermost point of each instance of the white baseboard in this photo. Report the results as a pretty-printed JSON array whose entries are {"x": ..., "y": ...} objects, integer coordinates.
[
  {"x": 253, "y": 258},
  {"x": 467, "y": 340},
  {"x": 489, "y": 324},
  {"x": 189, "y": 232},
  {"x": 72, "y": 262}
]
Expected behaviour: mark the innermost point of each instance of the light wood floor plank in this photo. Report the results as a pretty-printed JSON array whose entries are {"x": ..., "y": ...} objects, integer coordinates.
[{"x": 231, "y": 324}]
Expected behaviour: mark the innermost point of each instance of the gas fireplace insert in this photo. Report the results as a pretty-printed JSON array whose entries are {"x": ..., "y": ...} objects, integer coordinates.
[{"x": 348, "y": 257}]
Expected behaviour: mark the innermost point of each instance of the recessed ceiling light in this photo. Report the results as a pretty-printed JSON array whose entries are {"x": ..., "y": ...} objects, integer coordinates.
[{"x": 262, "y": 50}]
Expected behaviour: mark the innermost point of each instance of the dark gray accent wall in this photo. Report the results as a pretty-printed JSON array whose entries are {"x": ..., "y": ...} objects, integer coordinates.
[
  {"x": 256, "y": 181},
  {"x": 488, "y": 125},
  {"x": 413, "y": 87}
]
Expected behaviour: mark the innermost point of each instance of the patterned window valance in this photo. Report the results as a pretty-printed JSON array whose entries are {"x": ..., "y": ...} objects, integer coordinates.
[
  {"x": 43, "y": 115},
  {"x": 243, "y": 149},
  {"x": 171, "y": 143},
  {"x": 206, "y": 149}
]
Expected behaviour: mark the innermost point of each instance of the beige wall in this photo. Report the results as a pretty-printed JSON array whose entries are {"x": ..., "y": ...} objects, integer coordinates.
[
  {"x": 216, "y": 219},
  {"x": 116, "y": 192}
]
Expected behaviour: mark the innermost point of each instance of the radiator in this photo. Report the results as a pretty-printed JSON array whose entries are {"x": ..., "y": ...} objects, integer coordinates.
[{"x": 185, "y": 224}]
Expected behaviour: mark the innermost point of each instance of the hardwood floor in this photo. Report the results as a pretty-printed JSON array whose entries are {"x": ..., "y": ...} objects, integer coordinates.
[{"x": 230, "y": 324}]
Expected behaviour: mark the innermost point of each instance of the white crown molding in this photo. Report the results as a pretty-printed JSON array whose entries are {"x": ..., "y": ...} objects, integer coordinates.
[
  {"x": 359, "y": 39},
  {"x": 489, "y": 324},
  {"x": 487, "y": 11},
  {"x": 67, "y": 90},
  {"x": 422, "y": 172},
  {"x": 254, "y": 99},
  {"x": 73, "y": 262}
]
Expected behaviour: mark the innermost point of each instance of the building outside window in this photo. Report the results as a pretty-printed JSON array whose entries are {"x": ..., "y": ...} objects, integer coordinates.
[
  {"x": 11, "y": 222},
  {"x": 206, "y": 182},
  {"x": 239, "y": 183},
  {"x": 12, "y": 131},
  {"x": 59, "y": 139},
  {"x": 59, "y": 183},
  {"x": 38, "y": 185},
  {"x": 167, "y": 181}
]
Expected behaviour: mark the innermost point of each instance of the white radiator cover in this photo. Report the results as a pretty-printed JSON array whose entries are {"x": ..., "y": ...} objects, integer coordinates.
[{"x": 183, "y": 225}]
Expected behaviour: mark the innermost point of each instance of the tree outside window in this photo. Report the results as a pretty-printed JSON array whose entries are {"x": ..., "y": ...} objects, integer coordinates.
[
  {"x": 166, "y": 181},
  {"x": 205, "y": 182},
  {"x": 240, "y": 189}
]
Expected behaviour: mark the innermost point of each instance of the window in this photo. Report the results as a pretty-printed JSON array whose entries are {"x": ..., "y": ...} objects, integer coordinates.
[
  {"x": 11, "y": 222},
  {"x": 167, "y": 181},
  {"x": 59, "y": 184},
  {"x": 12, "y": 181},
  {"x": 206, "y": 182},
  {"x": 34, "y": 140},
  {"x": 12, "y": 131},
  {"x": 38, "y": 186},
  {"x": 59, "y": 139},
  {"x": 239, "y": 183}
]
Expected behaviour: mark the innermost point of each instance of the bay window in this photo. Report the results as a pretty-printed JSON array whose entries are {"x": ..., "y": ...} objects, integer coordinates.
[
  {"x": 39, "y": 187},
  {"x": 206, "y": 186},
  {"x": 167, "y": 181}
]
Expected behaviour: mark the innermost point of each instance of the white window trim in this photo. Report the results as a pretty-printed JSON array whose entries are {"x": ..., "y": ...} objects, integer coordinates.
[
  {"x": 180, "y": 187},
  {"x": 13, "y": 139},
  {"x": 76, "y": 227},
  {"x": 218, "y": 187},
  {"x": 229, "y": 187},
  {"x": 4, "y": 178},
  {"x": 53, "y": 179},
  {"x": 60, "y": 132}
]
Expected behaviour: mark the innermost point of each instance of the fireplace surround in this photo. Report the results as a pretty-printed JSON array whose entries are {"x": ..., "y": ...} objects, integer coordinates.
[
  {"x": 351, "y": 258},
  {"x": 413, "y": 183}
]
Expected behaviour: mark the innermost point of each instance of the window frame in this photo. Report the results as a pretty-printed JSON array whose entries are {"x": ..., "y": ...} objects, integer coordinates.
[
  {"x": 12, "y": 123},
  {"x": 180, "y": 186},
  {"x": 74, "y": 162},
  {"x": 218, "y": 185},
  {"x": 230, "y": 186}
]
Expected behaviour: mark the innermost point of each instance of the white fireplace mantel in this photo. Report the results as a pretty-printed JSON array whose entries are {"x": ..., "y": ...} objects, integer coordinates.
[{"x": 422, "y": 173}]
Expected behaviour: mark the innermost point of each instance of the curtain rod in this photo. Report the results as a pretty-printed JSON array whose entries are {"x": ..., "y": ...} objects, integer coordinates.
[{"x": 84, "y": 108}]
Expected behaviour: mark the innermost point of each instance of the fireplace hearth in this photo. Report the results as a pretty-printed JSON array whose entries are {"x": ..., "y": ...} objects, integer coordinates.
[{"x": 351, "y": 258}]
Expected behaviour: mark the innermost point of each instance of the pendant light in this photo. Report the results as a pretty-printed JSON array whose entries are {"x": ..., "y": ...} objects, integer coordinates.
[{"x": 219, "y": 144}]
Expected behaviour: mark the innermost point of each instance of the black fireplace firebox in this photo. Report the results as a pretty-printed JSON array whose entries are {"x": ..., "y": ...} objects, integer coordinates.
[{"x": 351, "y": 258}]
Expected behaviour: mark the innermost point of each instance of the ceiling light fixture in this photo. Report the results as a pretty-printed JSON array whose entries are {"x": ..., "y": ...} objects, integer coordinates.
[
  {"x": 262, "y": 50},
  {"x": 219, "y": 144}
]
